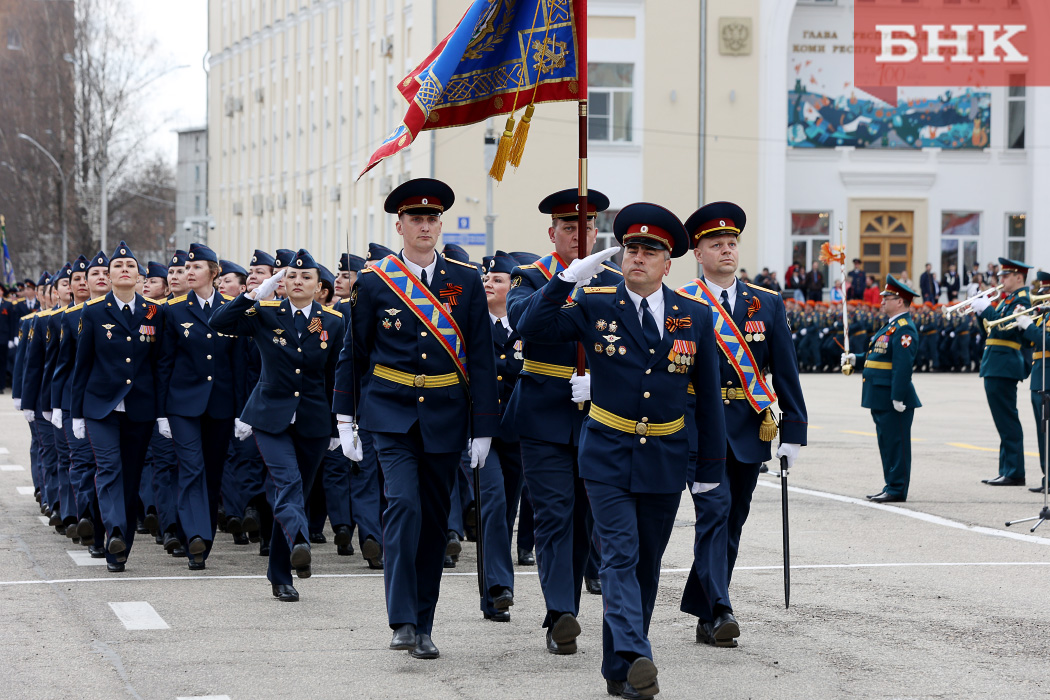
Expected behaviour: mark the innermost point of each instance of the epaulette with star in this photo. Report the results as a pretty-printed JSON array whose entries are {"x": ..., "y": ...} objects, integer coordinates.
[
  {"x": 762, "y": 289},
  {"x": 331, "y": 311},
  {"x": 461, "y": 264},
  {"x": 177, "y": 300},
  {"x": 598, "y": 290},
  {"x": 77, "y": 307},
  {"x": 270, "y": 302},
  {"x": 94, "y": 301}
]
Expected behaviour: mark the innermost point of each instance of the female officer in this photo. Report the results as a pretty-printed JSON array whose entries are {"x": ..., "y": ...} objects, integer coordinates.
[
  {"x": 197, "y": 370},
  {"x": 289, "y": 410}
]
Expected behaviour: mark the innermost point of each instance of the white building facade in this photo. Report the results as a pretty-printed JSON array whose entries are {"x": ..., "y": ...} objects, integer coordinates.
[{"x": 191, "y": 188}]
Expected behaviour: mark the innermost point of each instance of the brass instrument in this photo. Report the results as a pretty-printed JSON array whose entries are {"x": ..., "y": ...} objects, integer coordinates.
[
  {"x": 1039, "y": 304},
  {"x": 966, "y": 306}
]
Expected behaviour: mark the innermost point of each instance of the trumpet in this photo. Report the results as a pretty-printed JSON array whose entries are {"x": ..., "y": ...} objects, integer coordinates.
[
  {"x": 966, "y": 306},
  {"x": 1039, "y": 305}
]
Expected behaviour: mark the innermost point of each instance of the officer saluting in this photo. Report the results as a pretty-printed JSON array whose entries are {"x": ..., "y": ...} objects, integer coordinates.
[
  {"x": 114, "y": 396},
  {"x": 420, "y": 332},
  {"x": 888, "y": 390},
  {"x": 634, "y": 450}
]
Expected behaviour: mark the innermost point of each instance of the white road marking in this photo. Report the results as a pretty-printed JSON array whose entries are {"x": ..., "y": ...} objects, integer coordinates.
[
  {"x": 139, "y": 615},
  {"x": 918, "y": 515},
  {"x": 12, "y": 468},
  {"x": 474, "y": 574},
  {"x": 44, "y": 519},
  {"x": 203, "y": 697},
  {"x": 4, "y": 451},
  {"x": 83, "y": 558},
  {"x": 25, "y": 490}
]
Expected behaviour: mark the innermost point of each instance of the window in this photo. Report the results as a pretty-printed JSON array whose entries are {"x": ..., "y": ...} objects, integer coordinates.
[
  {"x": 197, "y": 205},
  {"x": 604, "y": 223},
  {"x": 1015, "y": 112},
  {"x": 611, "y": 102},
  {"x": 197, "y": 174},
  {"x": 14, "y": 40},
  {"x": 960, "y": 234},
  {"x": 1015, "y": 236},
  {"x": 809, "y": 230}
]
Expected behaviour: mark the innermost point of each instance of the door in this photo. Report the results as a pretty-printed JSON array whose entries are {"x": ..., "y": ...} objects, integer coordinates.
[{"x": 886, "y": 242}]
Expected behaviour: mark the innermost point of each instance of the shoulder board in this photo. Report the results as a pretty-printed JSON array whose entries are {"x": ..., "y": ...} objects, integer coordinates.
[
  {"x": 158, "y": 302},
  {"x": 762, "y": 289},
  {"x": 177, "y": 300},
  {"x": 95, "y": 300},
  {"x": 45, "y": 314},
  {"x": 598, "y": 290},
  {"x": 530, "y": 266},
  {"x": 1023, "y": 294},
  {"x": 227, "y": 297},
  {"x": 78, "y": 307},
  {"x": 365, "y": 270},
  {"x": 901, "y": 322},
  {"x": 332, "y": 311},
  {"x": 457, "y": 262},
  {"x": 348, "y": 300},
  {"x": 612, "y": 269},
  {"x": 270, "y": 302},
  {"x": 687, "y": 295}
]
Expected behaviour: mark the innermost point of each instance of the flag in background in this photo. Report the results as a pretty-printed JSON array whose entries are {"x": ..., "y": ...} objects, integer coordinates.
[
  {"x": 501, "y": 56},
  {"x": 9, "y": 269}
]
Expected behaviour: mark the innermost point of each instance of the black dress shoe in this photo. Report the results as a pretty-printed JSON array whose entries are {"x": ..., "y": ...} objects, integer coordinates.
[
  {"x": 220, "y": 519},
  {"x": 37, "y": 496},
  {"x": 623, "y": 689},
  {"x": 60, "y": 529},
  {"x": 151, "y": 523},
  {"x": 234, "y": 525},
  {"x": 264, "y": 550},
  {"x": 196, "y": 565},
  {"x": 720, "y": 633},
  {"x": 159, "y": 539},
  {"x": 453, "y": 548},
  {"x": 346, "y": 551},
  {"x": 240, "y": 539},
  {"x": 642, "y": 676},
  {"x": 250, "y": 521},
  {"x": 502, "y": 616},
  {"x": 170, "y": 542},
  {"x": 300, "y": 557},
  {"x": 887, "y": 498},
  {"x": 1003, "y": 481},
  {"x": 56, "y": 517},
  {"x": 561, "y": 636},
  {"x": 424, "y": 648},
  {"x": 343, "y": 537},
  {"x": 285, "y": 592},
  {"x": 504, "y": 600},
  {"x": 764, "y": 469},
  {"x": 526, "y": 558},
  {"x": 140, "y": 529},
  {"x": 404, "y": 638},
  {"x": 96, "y": 552},
  {"x": 317, "y": 538},
  {"x": 449, "y": 562},
  {"x": 874, "y": 495},
  {"x": 372, "y": 553},
  {"x": 178, "y": 552},
  {"x": 114, "y": 568},
  {"x": 196, "y": 548},
  {"x": 594, "y": 585},
  {"x": 1036, "y": 489},
  {"x": 560, "y": 649},
  {"x": 117, "y": 545}
]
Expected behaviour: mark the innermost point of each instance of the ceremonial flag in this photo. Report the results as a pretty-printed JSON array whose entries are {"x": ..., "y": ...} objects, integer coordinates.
[
  {"x": 9, "y": 269},
  {"x": 502, "y": 55}
]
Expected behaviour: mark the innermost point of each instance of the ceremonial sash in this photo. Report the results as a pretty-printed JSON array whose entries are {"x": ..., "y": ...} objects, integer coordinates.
[
  {"x": 550, "y": 265},
  {"x": 426, "y": 307},
  {"x": 728, "y": 337}
]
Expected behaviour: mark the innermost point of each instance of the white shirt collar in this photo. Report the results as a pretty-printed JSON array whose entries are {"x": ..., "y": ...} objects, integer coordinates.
[
  {"x": 201, "y": 300},
  {"x": 417, "y": 270},
  {"x": 896, "y": 317},
  {"x": 306, "y": 309},
  {"x": 121, "y": 305},
  {"x": 505, "y": 320},
  {"x": 656, "y": 306},
  {"x": 716, "y": 292}
]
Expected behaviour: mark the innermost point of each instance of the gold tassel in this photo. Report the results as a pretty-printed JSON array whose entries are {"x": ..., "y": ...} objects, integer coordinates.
[
  {"x": 520, "y": 136},
  {"x": 499, "y": 163},
  {"x": 768, "y": 430}
]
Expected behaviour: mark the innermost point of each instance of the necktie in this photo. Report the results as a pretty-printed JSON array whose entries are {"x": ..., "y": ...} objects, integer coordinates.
[
  {"x": 725, "y": 302},
  {"x": 127, "y": 313},
  {"x": 649, "y": 330},
  {"x": 423, "y": 278},
  {"x": 499, "y": 332},
  {"x": 300, "y": 322}
]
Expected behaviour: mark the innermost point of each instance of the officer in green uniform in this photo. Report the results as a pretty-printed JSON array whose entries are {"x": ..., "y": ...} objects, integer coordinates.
[
  {"x": 1003, "y": 365},
  {"x": 887, "y": 389},
  {"x": 1035, "y": 331}
]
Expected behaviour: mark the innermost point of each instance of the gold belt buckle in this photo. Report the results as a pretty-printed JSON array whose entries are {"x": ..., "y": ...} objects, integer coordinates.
[
  {"x": 641, "y": 428},
  {"x": 419, "y": 381},
  {"x": 731, "y": 393}
]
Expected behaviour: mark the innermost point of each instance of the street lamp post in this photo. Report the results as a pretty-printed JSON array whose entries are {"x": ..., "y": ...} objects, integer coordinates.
[{"x": 62, "y": 193}]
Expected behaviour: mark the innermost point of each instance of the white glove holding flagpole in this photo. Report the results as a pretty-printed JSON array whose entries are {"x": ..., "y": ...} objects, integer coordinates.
[
  {"x": 789, "y": 450},
  {"x": 580, "y": 271},
  {"x": 268, "y": 286},
  {"x": 581, "y": 388},
  {"x": 479, "y": 451}
]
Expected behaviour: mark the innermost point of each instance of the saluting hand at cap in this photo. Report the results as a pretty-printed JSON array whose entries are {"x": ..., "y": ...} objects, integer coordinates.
[{"x": 269, "y": 286}]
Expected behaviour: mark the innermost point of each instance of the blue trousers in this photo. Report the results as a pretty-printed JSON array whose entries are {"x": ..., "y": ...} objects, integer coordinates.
[
  {"x": 200, "y": 448},
  {"x": 1002, "y": 401},
  {"x": 66, "y": 499},
  {"x": 526, "y": 524},
  {"x": 48, "y": 461},
  {"x": 500, "y": 490},
  {"x": 291, "y": 463},
  {"x": 35, "y": 466},
  {"x": 147, "y": 500},
  {"x": 82, "y": 474},
  {"x": 165, "y": 480},
  {"x": 418, "y": 488},
  {"x": 120, "y": 445},
  {"x": 632, "y": 531},
  {"x": 243, "y": 479},
  {"x": 366, "y": 507},
  {"x": 331, "y": 493},
  {"x": 560, "y": 503},
  {"x": 894, "y": 434}
]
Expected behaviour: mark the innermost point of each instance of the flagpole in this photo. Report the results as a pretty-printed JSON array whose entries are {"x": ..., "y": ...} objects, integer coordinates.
[{"x": 582, "y": 219}]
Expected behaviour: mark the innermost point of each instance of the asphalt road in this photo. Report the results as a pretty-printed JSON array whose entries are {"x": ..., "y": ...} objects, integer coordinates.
[{"x": 931, "y": 598}]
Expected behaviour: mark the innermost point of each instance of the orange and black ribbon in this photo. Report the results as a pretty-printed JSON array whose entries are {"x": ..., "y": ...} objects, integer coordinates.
[
  {"x": 451, "y": 293},
  {"x": 315, "y": 325},
  {"x": 674, "y": 324},
  {"x": 753, "y": 307}
]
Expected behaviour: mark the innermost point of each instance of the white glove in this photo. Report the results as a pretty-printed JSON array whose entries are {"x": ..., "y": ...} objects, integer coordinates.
[
  {"x": 46, "y": 415},
  {"x": 349, "y": 439},
  {"x": 79, "y": 428},
  {"x": 16, "y": 341},
  {"x": 847, "y": 358},
  {"x": 56, "y": 418},
  {"x": 700, "y": 487},
  {"x": 899, "y": 406},
  {"x": 269, "y": 286},
  {"x": 241, "y": 430},
  {"x": 29, "y": 415},
  {"x": 10, "y": 344},
  {"x": 334, "y": 443},
  {"x": 802, "y": 332},
  {"x": 980, "y": 304},
  {"x": 479, "y": 451},
  {"x": 18, "y": 404},
  {"x": 952, "y": 334},
  {"x": 580, "y": 271},
  {"x": 581, "y": 387},
  {"x": 789, "y": 450},
  {"x": 164, "y": 428},
  {"x": 1024, "y": 321}
]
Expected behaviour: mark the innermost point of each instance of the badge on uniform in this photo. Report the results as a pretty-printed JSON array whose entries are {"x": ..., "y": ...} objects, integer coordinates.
[
  {"x": 387, "y": 324},
  {"x": 611, "y": 338},
  {"x": 681, "y": 356},
  {"x": 905, "y": 340},
  {"x": 600, "y": 325},
  {"x": 518, "y": 345},
  {"x": 393, "y": 312},
  {"x": 755, "y": 330},
  {"x": 147, "y": 333},
  {"x": 672, "y": 324},
  {"x": 324, "y": 339},
  {"x": 151, "y": 311},
  {"x": 186, "y": 326},
  {"x": 108, "y": 326},
  {"x": 753, "y": 307},
  {"x": 315, "y": 325},
  {"x": 450, "y": 294}
]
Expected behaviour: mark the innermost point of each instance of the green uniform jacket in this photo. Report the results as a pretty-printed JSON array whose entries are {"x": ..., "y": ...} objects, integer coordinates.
[
  {"x": 1002, "y": 350},
  {"x": 1034, "y": 334},
  {"x": 888, "y": 366}
]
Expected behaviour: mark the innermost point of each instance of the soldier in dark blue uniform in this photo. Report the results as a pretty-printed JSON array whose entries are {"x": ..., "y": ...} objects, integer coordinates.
[
  {"x": 33, "y": 404},
  {"x": 754, "y": 340},
  {"x": 1035, "y": 332},
  {"x": 1003, "y": 365},
  {"x": 199, "y": 395},
  {"x": 420, "y": 332},
  {"x": 888, "y": 390},
  {"x": 546, "y": 410},
  {"x": 115, "y": 396},
  {"x": 289, "y": 411},
  {"x": 65, "y": 509},
  {"x": 25, "y": 323},
  {"x": 634, "y": 455}
]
